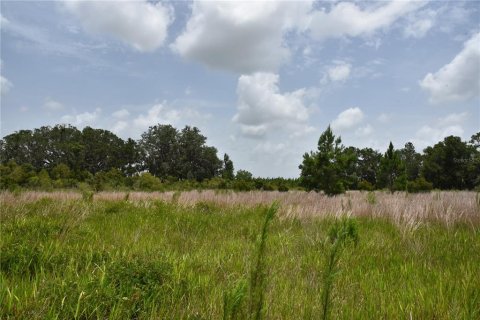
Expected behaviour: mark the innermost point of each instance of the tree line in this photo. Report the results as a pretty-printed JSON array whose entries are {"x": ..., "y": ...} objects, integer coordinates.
[
  {"x": 163, "y": 158},
  {"x": 451, "y": 164}
]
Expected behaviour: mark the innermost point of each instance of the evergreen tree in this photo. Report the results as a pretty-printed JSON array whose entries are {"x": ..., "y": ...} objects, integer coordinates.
[
  {"x": 392, "y": 170},
  {"x": 325, "y": 169}
]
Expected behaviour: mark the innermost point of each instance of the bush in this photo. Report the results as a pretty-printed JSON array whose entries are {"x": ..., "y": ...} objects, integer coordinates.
[
  {"x": 147, "y": 182},
  {"x": 419, "y": 185},
  {"x": 365, "y": 185}
]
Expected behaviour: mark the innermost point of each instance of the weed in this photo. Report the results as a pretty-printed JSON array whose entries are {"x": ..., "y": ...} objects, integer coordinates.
[
  {"x": 340, "y": 234},
  {"x": 371, "y": 198},
  {"x": 233, "y": 300},
  {"x": 258, "y": 274}
]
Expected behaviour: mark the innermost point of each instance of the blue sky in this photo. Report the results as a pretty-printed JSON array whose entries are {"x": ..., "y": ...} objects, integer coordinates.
[{"x": 261, "y": 80}]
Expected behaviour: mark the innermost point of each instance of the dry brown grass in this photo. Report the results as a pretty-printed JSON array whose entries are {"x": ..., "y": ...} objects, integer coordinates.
[{"x": 410, "y": 210}]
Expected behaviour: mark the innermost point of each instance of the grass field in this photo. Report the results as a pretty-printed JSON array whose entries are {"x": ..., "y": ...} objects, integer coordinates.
[{"x": 215, "y": 256}]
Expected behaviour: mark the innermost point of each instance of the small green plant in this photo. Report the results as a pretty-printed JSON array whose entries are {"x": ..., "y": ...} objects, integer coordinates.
[
  {"x": 258, "y": 274},
  {"x": 341, "y": 234},
  {"x": 126, "y": 197},
  {"x": 371, "y": 198},
  {"x": 233, "y": 300},
  {"x": 87, "y": 195}
]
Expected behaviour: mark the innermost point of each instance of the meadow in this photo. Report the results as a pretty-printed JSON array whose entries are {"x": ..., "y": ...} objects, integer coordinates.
[{"x": 239, "y": 255}]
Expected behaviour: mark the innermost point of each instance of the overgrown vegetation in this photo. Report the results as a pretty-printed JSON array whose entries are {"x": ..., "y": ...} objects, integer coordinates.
[
  {"x": 144, "y": 259},
  {"x": 164, "y": 158}
]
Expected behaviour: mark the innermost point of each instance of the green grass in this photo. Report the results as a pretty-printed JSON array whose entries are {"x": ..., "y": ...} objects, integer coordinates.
[{"x": 143, "y": 260}]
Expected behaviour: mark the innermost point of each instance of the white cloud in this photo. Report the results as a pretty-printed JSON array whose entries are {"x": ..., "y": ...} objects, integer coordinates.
[
  {"x": 141, "y": 24},
  {"x": 261, "y": 105},
  {"x": 119, "y": 126},
  {"x": 52, "y": 105},
  {"x": 451, "y": 124},
  {"x": 364, "y": 131},
  {"x": 243, "y": 37},
  {"x": 349, "y": 19},
  {"x": 120, "y": 114},
  {"x": 339, "y": 72},
  {"x": 348, "y": 119},
  {"x": 419, "y": 28},
  {"x": 458, "y": 80},
  {"x": 158, "y": 114},
  {"x": 5, "y": 85},
  {"x": 82, "y": 119}
]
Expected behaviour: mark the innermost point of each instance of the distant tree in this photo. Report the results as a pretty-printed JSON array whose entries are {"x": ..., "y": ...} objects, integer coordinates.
[
  {"x": 227, "y": 172},
  {"x": 103, "y": 150},
  {"x": 130, "y": 157},
  {"x": 244, "y": 175},
  {"x": 451, "y": 164},
  {"x": 159, "y": 148},
  {"x": 368, "y": 164},
  {"x": 412, "y": 161},
  {"x": 324, "y": 170},
  {"x": 392, "y": 170},
  {"x": 197, "y": 160}
]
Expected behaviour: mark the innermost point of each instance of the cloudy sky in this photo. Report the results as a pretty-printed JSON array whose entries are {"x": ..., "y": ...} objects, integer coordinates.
[{"x": 261, "y": 80}]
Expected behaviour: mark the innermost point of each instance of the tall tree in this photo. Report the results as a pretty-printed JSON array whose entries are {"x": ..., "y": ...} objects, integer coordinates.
[
  {"x": 227, "y": 172},
  {"x": 159, "y": 148},
  {"x": 412, "y": 161},
  {"x": 368, "y": 165},
  {"x": 323, "y": 170},
  {"x": 392, "y": 170},
  {"x": 103, "y": 150},
  {"x": 450, "y": 164}
]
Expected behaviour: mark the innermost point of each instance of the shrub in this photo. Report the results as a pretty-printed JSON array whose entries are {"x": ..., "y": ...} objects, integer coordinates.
[
  {"x": 365, "y": 185},
  {"x": 419, "y": 185},
  {"x": 147, "y": 182}
]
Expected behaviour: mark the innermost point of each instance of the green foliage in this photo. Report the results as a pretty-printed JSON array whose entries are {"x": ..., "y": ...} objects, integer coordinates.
[
  {"x": 371, "y": 198},
  {"x": 259, "y": 272},
  {"x": 157, "y": 260},
  {"x": 341, "y": 234},
  {"x": 452, "y": 164},
  {"x": 325, "y": 169},
  {"x": 419, "y": 185},
  {"x": 233, "y": 301},
  {"x": 227, "y": 171},
  {"x": 148, "y": 182},
  {"x": 392, "y": 171},
  {"x": 365, "y": 185}
]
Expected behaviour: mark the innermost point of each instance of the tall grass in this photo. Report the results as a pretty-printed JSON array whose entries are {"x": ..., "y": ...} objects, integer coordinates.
[
  {"x": 340, "y": 234},
  {"x": 258, "y": 275},
  {"x": 151, "y": 259}
]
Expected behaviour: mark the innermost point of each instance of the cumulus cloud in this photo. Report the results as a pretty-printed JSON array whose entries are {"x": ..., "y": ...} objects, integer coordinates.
[
  {"x": 458, "y": 80},
  {"x": 141, "y": 24},
  {"x": 349, "y": 19},
  {"x": 52, "y": 105},
  {"x": 364, "y": 131},
  {"x": 82, "y": 119},
  {"x": 158, "y": 114},
  {"x": 5, "y": 84},
  {"x": 120, "y": 114},
  {"x": 243, "y": 37},
  {"x": 339, "y": 72},
  {"x": 451, "y": 124},
  {"x": 119, "y": 126},
  {"x": 164, "y": 113},
  {"x": 419, "y": 23},
  {"x": 348, "y": 119},
  {"x": 261, "y": 106}
]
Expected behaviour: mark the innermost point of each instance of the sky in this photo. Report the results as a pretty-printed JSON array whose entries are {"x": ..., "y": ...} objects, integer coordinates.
[{"x": 261, "y": 80}]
